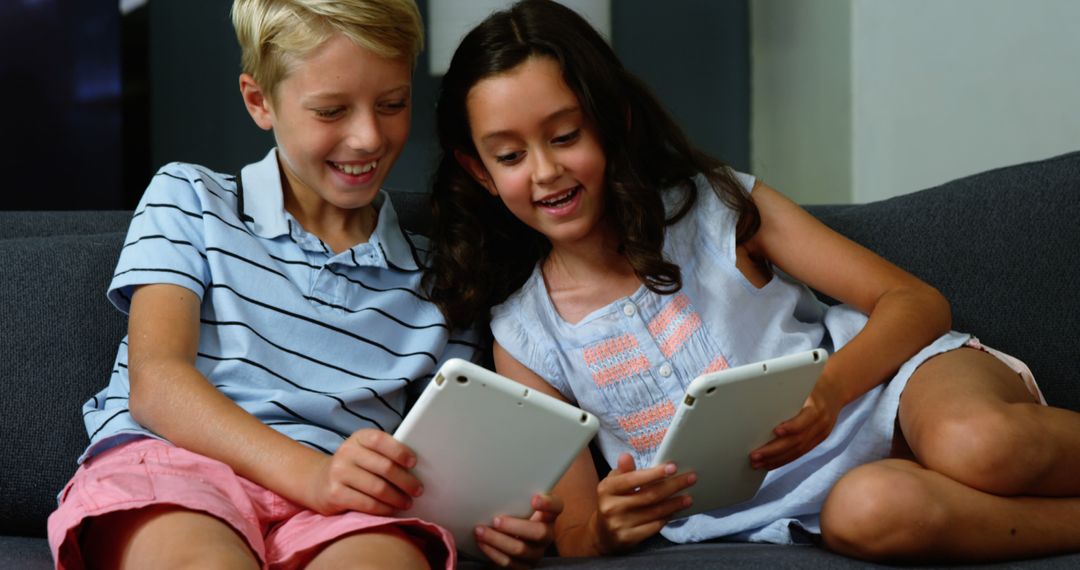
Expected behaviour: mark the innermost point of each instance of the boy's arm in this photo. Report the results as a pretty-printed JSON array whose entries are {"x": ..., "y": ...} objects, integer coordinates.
[{"x": 173, "y": 399}]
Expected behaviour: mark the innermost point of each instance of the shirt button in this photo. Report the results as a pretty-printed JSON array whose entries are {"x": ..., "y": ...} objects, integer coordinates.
[
  {"x": 629, "y": 309},
  {"x": 665, "y": 370}
]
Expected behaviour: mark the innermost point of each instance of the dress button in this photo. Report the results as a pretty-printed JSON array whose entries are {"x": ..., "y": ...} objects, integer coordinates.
[
  {"x": 665, "y": 370},
  {"x": 629, "y": 309}
]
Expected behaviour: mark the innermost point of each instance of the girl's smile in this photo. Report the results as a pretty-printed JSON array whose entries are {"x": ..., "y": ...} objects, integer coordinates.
[
  {"x": 537, "y": 150},
  {"x": 562, "y": 203}
]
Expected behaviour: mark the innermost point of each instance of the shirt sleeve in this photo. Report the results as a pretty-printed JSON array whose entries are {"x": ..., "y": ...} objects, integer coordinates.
[
  {"x": 713, "y": 220},
  {"x": 165, "y": 241},
  {"x": 525, "y": 343}
]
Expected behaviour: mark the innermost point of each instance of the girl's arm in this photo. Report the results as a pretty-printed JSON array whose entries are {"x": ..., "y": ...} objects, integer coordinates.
[
  {"x": 605, "y": 517},
  {"x": 172, "y": 398},
  {"x": 905, "y": 313}
]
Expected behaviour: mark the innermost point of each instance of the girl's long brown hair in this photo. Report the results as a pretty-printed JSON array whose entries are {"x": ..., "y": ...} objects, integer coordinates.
[{"x": 480, "y": 252}]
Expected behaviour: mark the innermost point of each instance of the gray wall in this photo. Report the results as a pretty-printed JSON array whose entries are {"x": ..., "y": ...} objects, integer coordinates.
[{"x": 695, "y": 54}]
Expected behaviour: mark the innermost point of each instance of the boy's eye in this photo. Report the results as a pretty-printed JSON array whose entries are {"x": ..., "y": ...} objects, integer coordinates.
[
  {"x": 568, "y": 137},
  {"x": 329, "y": 113},
  {"x": 393, "y": 106}
]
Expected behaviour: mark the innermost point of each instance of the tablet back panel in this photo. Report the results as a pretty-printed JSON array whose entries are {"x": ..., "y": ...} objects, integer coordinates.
[
  {"x": 727, "y": 414},
  {"x": 485, "y": 445}
]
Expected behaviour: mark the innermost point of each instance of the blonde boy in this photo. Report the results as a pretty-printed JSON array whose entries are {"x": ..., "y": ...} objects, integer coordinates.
[{"x": 275, "y": 324}]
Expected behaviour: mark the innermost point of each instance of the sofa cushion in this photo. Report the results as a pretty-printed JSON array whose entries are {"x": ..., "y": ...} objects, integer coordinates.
[{"x": 57, "y": 348}]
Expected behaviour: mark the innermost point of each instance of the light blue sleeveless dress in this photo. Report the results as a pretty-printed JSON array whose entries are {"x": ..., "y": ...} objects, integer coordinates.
[{"x": 629, "y": 363}]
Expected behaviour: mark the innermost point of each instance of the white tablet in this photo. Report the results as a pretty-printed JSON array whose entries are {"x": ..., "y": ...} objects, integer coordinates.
[
  {"x": 727, "y": 414},
  {"x": 485, "y": 445}
]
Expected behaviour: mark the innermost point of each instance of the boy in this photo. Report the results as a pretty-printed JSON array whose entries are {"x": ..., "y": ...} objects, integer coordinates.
[{"x": 275, "y": 322}]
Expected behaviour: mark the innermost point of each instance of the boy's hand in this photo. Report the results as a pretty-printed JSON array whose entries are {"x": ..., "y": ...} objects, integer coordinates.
[
  {"x": 519, "y": 543},
  {"x": 369, "y": 473},
  {"x": 800, "y": 434},
  {"x": 633, "y": 505}
]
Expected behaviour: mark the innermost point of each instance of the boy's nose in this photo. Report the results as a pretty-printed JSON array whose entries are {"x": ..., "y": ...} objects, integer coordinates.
[{"x": 365, "y": 133}]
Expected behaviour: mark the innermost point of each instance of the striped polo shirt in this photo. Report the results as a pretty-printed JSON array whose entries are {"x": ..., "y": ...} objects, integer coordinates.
[{"x": 314, "y": 343}]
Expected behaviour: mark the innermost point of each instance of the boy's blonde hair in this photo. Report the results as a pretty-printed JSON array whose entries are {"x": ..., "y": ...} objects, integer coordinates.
[{"x": 275, "y": 34}]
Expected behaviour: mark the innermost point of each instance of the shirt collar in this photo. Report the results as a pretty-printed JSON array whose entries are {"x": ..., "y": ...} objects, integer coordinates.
[{"x": 261, "y": 205}]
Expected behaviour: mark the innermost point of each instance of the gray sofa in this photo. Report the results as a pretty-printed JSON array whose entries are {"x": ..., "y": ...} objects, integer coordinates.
[{"x": 999, "y": 245}]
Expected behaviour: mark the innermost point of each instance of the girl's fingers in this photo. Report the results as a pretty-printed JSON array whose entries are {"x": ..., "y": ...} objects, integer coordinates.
[
  {"x": 618, "y": 483},
  {"x": 658, "y": 513},
  {"x": 806, "y": 417}
]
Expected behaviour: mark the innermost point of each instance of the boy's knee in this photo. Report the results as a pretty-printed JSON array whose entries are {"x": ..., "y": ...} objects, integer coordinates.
[
  {"x": 880, "y": 511},
  {"x": 388, "y": 547}
]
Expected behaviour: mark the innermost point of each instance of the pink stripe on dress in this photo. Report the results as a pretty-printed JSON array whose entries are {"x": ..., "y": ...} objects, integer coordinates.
[{"x": 615, "y": 359}]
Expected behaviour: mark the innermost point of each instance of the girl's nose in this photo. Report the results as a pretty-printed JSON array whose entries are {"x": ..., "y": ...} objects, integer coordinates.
[{"x": 546, "y": 169}]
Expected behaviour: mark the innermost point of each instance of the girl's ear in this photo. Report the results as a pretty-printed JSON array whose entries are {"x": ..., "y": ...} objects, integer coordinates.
[
  {"x": 257, "y": 103},
  {"x": 476, "y": 169}
]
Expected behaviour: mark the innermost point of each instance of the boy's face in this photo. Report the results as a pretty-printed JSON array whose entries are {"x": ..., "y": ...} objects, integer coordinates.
[{"x": 340, "y": 119}]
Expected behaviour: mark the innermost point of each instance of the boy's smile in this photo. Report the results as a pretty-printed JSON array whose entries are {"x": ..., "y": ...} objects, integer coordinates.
[{"x": 340, "y": 119}]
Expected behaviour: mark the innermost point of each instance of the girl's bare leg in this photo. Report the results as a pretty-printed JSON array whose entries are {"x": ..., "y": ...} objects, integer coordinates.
[
  {"x": 377, "y": 549},
  {"x": 968, "y": 416},
  {"x": 895, "y": 510},
  {"x": 991, "y": 474},
  {"x": 164, "y": 537}
]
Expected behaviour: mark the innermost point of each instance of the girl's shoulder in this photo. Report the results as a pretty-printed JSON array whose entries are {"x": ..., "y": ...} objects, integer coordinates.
[
  {"x": 523, "y": 327},
  {"x": 523, "y": 304},
  {"x": 707, "y": 198}
]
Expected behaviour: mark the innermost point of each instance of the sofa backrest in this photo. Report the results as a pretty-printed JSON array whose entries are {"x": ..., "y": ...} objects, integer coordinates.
[{"x": 997, "y": 244}]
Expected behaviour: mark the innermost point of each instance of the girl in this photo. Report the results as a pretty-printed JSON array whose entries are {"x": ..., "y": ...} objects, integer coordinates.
[{"x": 616, "y": 263}]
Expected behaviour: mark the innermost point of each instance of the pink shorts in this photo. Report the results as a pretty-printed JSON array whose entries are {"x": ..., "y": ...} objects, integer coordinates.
[{"x": 281, "y": 533}]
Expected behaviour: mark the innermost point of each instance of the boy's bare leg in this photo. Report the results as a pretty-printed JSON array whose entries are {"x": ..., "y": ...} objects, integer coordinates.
[
  {"x": 990, "y": 475},
  {"x": 164, "y": 537},
  {"x": 377, "y": 549}
]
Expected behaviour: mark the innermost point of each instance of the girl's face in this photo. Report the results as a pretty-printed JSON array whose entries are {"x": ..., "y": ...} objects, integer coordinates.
[{"x": 538, "y": 151}]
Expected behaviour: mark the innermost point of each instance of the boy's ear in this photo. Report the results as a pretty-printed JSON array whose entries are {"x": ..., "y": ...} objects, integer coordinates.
[
  {"x": 257, "y": 103},
  {"x": 476, "y": 169}
]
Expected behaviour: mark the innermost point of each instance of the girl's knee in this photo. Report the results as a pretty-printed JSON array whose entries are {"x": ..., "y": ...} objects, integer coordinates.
[
  {"x": 998, "y": 449},
  {"x": 881, "y": 511}
]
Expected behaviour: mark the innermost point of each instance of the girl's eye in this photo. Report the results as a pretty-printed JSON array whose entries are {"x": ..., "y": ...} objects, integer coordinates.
[
  {"x": 508, "y": 158},
  {"x": 329, "y": 113},
  {"x": 568, "y": 137}
]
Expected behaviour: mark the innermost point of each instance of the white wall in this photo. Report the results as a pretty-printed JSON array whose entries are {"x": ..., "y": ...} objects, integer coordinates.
[{"x": 935, "y": 90}]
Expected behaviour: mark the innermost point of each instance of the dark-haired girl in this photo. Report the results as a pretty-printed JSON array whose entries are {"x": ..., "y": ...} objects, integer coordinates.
[{"x": 615, "y": 263}]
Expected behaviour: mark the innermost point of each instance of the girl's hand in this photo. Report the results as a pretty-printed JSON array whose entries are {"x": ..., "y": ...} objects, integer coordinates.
[
  {"x": 369, "y": 473},
  {"x": 633, "y": 505},
  {"x": 520, "y": 543},
  {"x": 801, "y": 433}
]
